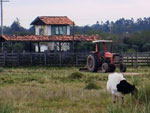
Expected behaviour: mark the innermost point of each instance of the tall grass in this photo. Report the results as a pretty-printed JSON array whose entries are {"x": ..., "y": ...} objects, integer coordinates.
[
  {"x": 7, "y": 108},
  {"x": 62, "y": 90}
]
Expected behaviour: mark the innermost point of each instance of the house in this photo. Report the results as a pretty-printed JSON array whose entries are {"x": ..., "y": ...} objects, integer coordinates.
[
  {"x": 52, "y": 33},
  {"x": 52, "y": 26}
]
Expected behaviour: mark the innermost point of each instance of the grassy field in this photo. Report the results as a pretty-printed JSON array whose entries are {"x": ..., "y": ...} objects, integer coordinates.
[{"x": 66, "y": 90}]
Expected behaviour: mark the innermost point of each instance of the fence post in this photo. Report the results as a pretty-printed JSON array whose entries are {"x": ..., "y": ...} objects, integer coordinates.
[
  {"x": 45, "y": 58},
  {"x": 18, "y": 55},
  {"x": 60, "y": 59},
  {"x": 76, "y": 59},
  {"x": 132, "y": 59},
  {"x": 147, "y": 57},
  {"x": 31, "y": 59},
  {"x": 136, "y": 63},
  {"x": 127, "y": 57},
  {"x": 5, "y": 58}
]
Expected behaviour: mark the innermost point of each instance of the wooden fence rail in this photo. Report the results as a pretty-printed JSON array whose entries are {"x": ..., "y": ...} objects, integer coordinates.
[
  {"x": 136, "y": 59},
  {"x": 64, "y": 59},
  {"x": 43, "y": 59}
]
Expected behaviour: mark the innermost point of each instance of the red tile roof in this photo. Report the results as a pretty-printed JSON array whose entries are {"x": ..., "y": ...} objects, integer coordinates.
[
  {"x": 52, "y": 20},
  {"x": 34, "y": 38}
]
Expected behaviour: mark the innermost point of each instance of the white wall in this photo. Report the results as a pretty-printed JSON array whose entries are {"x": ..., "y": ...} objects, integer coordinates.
[
  {"x": 51, "y": 46},
  {"x": 68, "y": 30},
  {"x": 43, "y": 47}
]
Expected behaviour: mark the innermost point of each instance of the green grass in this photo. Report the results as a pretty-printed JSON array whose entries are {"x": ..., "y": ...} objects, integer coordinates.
[{"x": 63, "y": 90}]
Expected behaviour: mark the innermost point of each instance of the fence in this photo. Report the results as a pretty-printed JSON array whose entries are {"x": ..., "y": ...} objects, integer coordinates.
[
  {"x": 64, "y": 59},
  {"x": 43, "y": 59},
  {"x": 136, "y": 59}
]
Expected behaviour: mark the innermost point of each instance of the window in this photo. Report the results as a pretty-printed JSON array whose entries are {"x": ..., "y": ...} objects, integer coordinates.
[
  {"x": 41, "y": 31},
  {"x": 59, "y": 30}
]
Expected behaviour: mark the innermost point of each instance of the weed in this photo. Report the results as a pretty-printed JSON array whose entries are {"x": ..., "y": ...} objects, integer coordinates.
[
  {"x": 135, "y": 81},
  {"x": 143, "y": 94}
]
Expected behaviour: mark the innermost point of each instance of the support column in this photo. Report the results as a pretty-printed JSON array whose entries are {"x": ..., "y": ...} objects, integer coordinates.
[
  {"x": 59, "y": 46},
  {"x": 73, "y": 36},
  {"x": 2, "y": 48},
  {"x": 30, "y": 46},
  {"x": 39, "y": 48},
  {"x": 11, "y": 47}
]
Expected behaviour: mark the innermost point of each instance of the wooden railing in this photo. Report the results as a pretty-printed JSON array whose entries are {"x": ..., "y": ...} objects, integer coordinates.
[
  {"x": 43, "y": 59},
  {"x": 136, "y": 59},
  {"x": 64, "y": 59}
]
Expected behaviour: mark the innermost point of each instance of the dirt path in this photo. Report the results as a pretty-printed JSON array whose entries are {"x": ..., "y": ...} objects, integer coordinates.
[{"x": 132, "y": 73}]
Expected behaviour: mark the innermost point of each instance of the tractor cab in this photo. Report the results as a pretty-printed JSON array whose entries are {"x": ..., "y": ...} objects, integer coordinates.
[{"x": 103, "y": 59}]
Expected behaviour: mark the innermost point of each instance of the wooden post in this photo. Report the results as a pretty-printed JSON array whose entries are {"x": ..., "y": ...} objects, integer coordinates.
[
  {"x": 60, "y": 55},
  {"x": 147, "y": 58},
  {"x": 30, "y": 46},
  {"x": 31, "y": 59},
  {"x": 11, "y": 44},
  {"x": 136, "y": 65},
  {"x": 39, "y": 49},
  {"x": 132, "y": 58},
  {"x": 60, "y": 46},
  {"x": 60, "y": 59},
  {"x": 127, "y": 57},
  {"x": 73, "y": 36},
  {"x": 18, "y": 55},
  {"x": 76, "y": 59},
  {"x": 45, "y": 59},
  {"x": 2, "y": 49},
  {"x": 5, "y": 58}
]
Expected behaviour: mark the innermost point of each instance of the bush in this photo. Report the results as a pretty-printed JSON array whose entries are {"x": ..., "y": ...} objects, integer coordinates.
[
  {"x": 76, "y": 75},
  {"x": 91, "y": 86}
]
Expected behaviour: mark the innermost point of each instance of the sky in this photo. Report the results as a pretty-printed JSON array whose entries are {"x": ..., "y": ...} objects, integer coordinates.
[{"x": 82, "y": 12}]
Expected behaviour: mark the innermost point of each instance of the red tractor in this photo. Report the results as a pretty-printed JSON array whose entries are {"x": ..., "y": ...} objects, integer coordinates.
[{"x": 105, "y": 61}]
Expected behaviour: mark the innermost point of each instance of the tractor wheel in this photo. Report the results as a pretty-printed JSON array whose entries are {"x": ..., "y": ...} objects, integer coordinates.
[
  {"x": 92, "y": 63},
  {"x": 105, "y": 68},
  {"x": 112, "y": 68},
  {"x": 123, "y": 68}
]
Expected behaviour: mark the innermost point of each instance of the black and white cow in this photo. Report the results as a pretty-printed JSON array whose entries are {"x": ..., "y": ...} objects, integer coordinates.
[{"x": 118, "y": 86}]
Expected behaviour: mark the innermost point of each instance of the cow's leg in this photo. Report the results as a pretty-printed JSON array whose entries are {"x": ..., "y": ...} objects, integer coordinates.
[
  {"x": 122, "y": 99},
  {"x": 114, "y": 99}
]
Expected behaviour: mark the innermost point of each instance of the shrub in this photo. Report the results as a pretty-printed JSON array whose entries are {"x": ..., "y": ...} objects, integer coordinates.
[
  {"x": 91, "y": 86},
  {"x": 76, "y": 75}
]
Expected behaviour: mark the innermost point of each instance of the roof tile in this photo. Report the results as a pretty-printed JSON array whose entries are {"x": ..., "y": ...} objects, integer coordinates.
[
  {"x": 64, "y": 38},
  {"x": 53, "y": 20}
]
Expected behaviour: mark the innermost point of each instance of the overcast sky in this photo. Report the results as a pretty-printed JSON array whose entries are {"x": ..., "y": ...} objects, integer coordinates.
[{"x": 83, "y": 12}]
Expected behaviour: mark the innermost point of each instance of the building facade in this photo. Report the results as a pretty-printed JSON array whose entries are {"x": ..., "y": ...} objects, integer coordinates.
[{"x": 52, "y": 26}]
